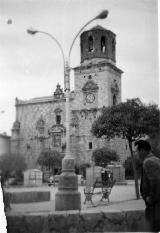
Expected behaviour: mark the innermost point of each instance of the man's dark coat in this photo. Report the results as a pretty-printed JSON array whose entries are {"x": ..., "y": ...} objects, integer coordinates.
[{"x": 150, "y": 190}]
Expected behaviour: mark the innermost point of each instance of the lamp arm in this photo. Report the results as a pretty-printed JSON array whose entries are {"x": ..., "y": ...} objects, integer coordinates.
[
  {"x": 77, "y": 36},
  {"x": 59, "y": 45}
]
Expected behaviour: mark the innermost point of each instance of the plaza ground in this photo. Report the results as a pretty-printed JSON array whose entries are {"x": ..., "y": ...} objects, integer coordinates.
[{"x": 122, "y": 197}]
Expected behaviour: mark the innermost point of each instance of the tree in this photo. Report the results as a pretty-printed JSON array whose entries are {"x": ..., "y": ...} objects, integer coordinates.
[
  {"x": 12, "y": 165},
  {"x": 131, "y": 120},
  {"x": 104, "y": 156},
  {"x": 129, "y": 168},
  {"x": 50, "y": 159}
]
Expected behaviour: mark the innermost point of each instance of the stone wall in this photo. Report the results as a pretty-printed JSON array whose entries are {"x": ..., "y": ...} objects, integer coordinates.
[
  {"x": 103, "y": 75},
  {"x": 28, "y": 197},
  {"x": 88, "y": 221},
  {"x": 4, "y": 144}
]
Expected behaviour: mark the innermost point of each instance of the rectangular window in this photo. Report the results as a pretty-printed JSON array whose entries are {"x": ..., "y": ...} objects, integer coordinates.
[
  {"x": 90, "y": 145},
  {"x": 58, "y": 119}
]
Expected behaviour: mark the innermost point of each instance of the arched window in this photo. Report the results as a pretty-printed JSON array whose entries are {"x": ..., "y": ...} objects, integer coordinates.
[
  {"x": 103, "y": 44},
  {"x": 114, "y": 99},
  {"x": 90, "y": 43},
  {"x": 58, "y": 115}
]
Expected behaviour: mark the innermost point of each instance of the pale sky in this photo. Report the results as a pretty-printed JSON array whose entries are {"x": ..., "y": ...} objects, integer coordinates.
[{"x": 31, "y": 66}]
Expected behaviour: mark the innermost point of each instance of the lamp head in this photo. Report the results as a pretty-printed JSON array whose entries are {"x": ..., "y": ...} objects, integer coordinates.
[
  {"x": 32, "y": 31},
  {"x": 103, "y": 14}
]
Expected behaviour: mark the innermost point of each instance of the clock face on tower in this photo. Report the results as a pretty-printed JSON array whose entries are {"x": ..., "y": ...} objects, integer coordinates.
[{"x": 90, "y": 98}]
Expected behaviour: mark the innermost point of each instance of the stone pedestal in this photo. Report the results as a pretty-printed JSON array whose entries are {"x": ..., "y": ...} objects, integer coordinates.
[{"x": 68, "y": 197}]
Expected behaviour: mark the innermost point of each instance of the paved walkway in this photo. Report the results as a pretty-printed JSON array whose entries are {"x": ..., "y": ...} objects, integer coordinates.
[{"x": 122, "y": 198}]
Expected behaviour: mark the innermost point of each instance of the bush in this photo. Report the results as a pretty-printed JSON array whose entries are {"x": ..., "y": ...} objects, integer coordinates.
[
  {"x": 12, "y": 165},
  {"x": 103, "y": 156}
]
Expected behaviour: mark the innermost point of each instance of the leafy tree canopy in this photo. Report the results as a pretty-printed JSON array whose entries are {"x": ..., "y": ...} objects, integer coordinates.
[
  {"x": 104, "y": 156},
  {"x": 50, "y": 159},
  {"x": 130, "y": 119},
  {"x": 11, "y": 165}
]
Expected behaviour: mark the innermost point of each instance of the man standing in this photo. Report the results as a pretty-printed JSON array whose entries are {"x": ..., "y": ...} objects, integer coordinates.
[{"x": 150, "y": 183}]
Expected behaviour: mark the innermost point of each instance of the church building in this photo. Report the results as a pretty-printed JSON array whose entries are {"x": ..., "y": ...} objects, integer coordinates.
[{"x": 40, "y": 122}]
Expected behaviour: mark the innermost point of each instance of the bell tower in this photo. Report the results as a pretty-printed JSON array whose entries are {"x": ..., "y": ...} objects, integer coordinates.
[
  {"x": 98, "y": 43},
  {"x": 97, "y": 79}
]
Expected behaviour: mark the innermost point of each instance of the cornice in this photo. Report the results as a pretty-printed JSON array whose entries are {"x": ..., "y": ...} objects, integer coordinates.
[
  {"x": 41, "y": 100},
  {"x": 98, "y": 65},
  {"x": 4, "y": 136},
  {"x": 87, "y": 110}
]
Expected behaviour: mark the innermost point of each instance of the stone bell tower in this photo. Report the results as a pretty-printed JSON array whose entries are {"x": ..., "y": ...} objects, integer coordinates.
[
  {"x": 98, "y": 43},
  {"x": 97, "y": 79}
]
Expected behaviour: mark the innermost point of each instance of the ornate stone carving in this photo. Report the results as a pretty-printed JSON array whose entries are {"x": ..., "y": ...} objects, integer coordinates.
[
  {"x": 114, "y": 88},
  {"x": 16, "y": 125},
  {"x": 75, "y": 121},
  {"x": 57, "y": 134},
  {"x": 57, "y": 111},
  {"x": 84, "y": 113},
  {"x": 58, "y": 92},
  {"x": 90, "y": 86},
  {"x": 57, "y": 129},
  {"x": 40, "y": 125}
]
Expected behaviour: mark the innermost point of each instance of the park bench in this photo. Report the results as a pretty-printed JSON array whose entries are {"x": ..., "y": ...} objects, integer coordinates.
[{"x": 105, "y": 190}]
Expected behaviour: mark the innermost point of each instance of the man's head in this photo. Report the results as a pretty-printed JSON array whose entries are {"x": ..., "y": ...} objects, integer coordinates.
[{"x": 143, "y": 148}]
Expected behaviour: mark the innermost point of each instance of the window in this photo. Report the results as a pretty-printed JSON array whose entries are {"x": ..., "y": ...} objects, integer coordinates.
[
  {"x": 103, "y": 44},
  {"x": 114, "y": 100},
  {"x": 90, "y": 43},
  {"x": 113, "y": 45},
  {"x": 58, "y": 119},
  {"x": 56, "y": 140},
  {"x": 90, "y": 145}
]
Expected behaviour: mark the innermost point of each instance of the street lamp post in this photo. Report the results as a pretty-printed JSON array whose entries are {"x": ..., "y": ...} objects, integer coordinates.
[{"x": 68, "y": 197}]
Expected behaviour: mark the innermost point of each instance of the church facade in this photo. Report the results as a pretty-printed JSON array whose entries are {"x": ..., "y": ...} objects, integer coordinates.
[{"x": 40, "y": 122}]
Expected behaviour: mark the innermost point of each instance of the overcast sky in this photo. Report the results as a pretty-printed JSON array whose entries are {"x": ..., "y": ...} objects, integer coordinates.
[{"x": 31, "y": 66}]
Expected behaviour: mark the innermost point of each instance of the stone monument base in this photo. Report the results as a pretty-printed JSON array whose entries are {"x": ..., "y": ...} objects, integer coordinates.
[
  {"x": 68, "y": 197},
  {"x": 68, "y": 201}
]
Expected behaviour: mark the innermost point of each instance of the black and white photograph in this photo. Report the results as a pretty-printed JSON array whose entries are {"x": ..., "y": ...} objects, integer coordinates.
[{"x": 79, "y": 116}]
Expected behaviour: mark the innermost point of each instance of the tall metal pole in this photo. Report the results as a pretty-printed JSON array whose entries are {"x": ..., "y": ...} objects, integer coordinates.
[{"x": 67, "y": 92}]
